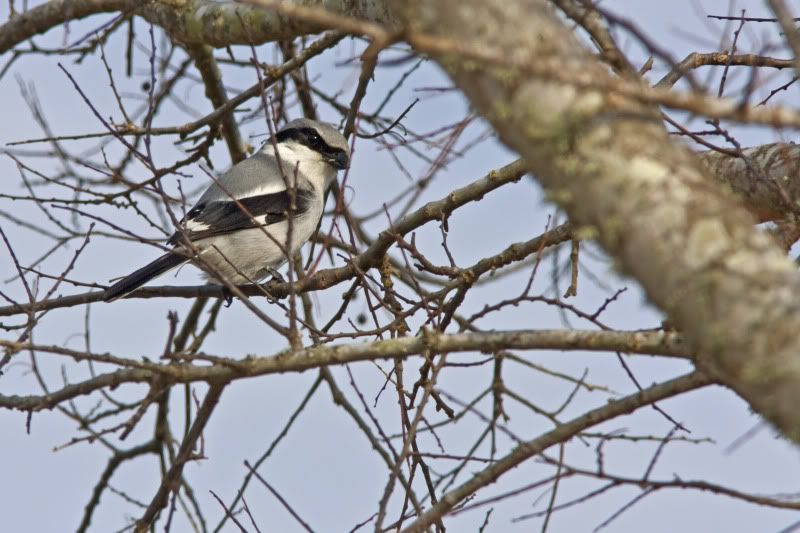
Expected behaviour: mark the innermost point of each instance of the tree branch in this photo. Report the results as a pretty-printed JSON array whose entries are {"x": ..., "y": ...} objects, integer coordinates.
[
  {"x": 607, "y": 159},
  {"x": 562, "y": 433},
  {"x": 226, "y": 369},
  {"x": 54, "y": 13},
  {"x": 171, "y": 481},
  {"x": 221, "y": 24},
  {"x": 203, "y": 58}
]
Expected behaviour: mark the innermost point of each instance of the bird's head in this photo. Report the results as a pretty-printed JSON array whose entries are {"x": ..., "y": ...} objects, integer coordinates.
[{"x": 319, "y": 137}]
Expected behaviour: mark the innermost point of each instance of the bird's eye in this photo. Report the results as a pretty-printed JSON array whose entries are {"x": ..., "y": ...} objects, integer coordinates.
[{"x": 312, "y": 139}]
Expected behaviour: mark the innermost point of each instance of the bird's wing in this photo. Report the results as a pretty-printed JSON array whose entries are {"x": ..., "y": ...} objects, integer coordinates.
[
  {"x": 258, "y": 174},
  {"x": 260, "y": 188},
  {"x": 209, "y": 219}
]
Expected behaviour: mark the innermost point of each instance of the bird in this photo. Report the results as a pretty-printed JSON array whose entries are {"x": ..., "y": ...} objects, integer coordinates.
[{"x": 248, "y": 222}]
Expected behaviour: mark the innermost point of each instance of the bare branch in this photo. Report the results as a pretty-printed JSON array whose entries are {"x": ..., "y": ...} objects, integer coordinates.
[
  {"x": 562, "y": 433},
  {"x": 226, "y": 369}
]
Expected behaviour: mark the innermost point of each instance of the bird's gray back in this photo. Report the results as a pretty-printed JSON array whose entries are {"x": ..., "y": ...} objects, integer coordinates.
[{"x": 258, "y": 174}]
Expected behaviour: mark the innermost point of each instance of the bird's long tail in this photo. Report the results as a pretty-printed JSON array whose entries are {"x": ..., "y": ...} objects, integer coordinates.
[{"x": 136, "y": 279}]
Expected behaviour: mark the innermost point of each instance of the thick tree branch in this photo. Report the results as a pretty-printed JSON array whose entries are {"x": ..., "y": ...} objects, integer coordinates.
[
  {"x": 54, "y": 13},
  {"x": 766, "y": 177},
  {"x": 607, "y": 159},
  {"x": 191, "y": 22},
  {"x": 221, "y": 24}
]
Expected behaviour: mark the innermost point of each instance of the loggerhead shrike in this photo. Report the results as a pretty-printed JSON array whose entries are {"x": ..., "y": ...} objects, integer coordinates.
[{"x": 239, "y": 230}]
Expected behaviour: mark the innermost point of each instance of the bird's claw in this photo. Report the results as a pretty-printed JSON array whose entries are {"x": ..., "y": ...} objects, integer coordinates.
[
  {"x": 227, "y": 295},
  {"x": 276, "y": 276}
]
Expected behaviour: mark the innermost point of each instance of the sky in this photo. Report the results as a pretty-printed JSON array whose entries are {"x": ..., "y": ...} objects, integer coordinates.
[{"x": 325, "y": 465}]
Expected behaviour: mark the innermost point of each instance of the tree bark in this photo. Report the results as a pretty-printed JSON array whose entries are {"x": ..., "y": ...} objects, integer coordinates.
[
  {"x": 192, "y": 22},
  {"x": 608, "y": 160}
]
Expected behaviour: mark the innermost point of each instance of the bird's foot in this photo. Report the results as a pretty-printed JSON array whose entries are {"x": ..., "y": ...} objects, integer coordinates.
[
  {"x": 276, "y": 276},
  {"x": 227, "y": 295}
]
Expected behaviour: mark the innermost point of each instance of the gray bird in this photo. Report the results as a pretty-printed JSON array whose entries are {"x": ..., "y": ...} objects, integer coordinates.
[{"x": 239, "y": 229}]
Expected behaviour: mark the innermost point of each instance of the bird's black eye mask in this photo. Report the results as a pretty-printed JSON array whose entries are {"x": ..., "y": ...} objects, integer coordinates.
[{"x": 310, "y": 138}]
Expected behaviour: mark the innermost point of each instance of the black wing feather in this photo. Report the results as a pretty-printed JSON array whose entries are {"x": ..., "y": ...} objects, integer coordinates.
[{"x": 228, "y": 216}]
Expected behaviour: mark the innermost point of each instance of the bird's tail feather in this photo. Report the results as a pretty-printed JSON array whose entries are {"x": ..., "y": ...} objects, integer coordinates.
[{"x": 136, "y": 279}]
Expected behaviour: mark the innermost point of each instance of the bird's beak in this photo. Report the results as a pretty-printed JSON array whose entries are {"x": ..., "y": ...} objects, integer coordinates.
[{"x": 340, "y": 160}]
